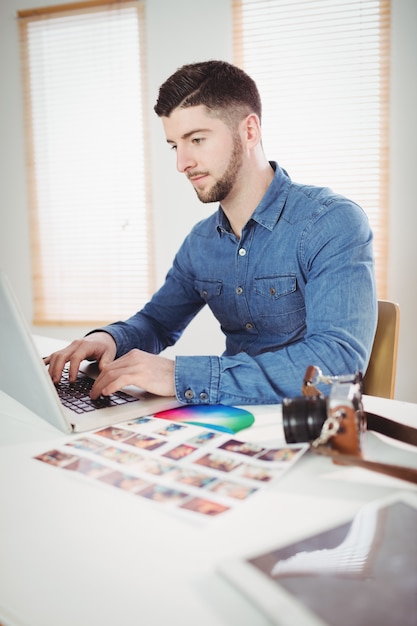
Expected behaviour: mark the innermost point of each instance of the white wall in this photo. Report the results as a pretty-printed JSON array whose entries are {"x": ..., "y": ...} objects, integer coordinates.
[
  {"x": 402, "y": 275},
  {"x": 182, "y": 32}
]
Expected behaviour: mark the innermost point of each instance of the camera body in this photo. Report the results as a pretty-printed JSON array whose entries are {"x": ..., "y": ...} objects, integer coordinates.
[{"x": 337, "y": 420}]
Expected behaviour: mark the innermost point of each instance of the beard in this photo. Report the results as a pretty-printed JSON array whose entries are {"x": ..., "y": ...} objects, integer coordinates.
[{"x": 222, "y": 187}]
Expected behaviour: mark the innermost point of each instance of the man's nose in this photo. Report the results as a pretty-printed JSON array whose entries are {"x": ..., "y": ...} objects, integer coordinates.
[{"x": 185, "y": 160}]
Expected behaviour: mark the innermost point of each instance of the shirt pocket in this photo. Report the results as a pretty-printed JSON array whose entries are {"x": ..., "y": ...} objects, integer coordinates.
[
  {"x": 212, "y": 292},
  {"x": 208, "y": 289},
  {"x": 279, "y": 304}
]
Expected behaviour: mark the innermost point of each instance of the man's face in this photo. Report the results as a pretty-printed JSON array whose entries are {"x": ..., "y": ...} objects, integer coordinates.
[{"x": 208, "y": 153}]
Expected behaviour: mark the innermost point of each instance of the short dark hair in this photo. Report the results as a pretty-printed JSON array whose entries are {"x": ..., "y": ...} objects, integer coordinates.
[{"x": 223, "y": 88}]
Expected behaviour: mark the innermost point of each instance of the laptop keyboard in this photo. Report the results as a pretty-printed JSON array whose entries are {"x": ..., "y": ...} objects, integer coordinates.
[{"x": 75, "y": 396}]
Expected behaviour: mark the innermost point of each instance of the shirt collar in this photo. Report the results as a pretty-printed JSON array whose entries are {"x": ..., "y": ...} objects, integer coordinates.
[{"x": 268, "y": 211}]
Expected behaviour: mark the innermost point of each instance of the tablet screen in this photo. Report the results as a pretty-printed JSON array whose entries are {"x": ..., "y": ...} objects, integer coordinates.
[{"x": 361, "y": 571}]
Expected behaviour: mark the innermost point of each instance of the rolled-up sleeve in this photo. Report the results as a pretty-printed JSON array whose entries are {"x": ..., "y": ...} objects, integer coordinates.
[{"x": 197, "y": 379}]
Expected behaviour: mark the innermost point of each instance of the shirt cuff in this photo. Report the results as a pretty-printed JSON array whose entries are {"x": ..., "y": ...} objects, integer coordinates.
[{"x": 197, "y": 379}]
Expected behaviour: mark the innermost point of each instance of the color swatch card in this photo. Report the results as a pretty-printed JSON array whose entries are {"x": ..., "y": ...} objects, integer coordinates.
[{"x": 228, "y": 419}]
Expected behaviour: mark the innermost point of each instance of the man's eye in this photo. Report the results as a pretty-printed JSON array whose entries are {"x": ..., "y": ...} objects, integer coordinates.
[
  {"x": 198, "y": 140},
  {"x": 173, "y": 148}
]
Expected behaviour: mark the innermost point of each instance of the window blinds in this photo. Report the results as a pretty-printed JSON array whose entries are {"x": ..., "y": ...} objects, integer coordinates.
[
  {"x": 322, "y": 67},
  {"x": 84, "y": 92}
]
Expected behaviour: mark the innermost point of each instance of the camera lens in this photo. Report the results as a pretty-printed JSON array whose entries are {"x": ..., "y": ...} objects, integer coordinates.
[{"x": 303, "y": 418}]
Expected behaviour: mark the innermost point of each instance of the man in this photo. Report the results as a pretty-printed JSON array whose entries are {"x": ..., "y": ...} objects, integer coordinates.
[{"x": 287, "y": 269}]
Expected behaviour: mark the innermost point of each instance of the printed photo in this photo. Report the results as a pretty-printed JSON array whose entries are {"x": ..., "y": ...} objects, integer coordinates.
[
  {"x": 155, "y": 466},
  {"x": 232, "y": 490},
  {"x": 84, "y": 443},
  {"x": 282, "y": 455},
  {"x": 192, "y": 478},
  {"x": 218, "y": 462},
  {"x": 170, "y": 429},
  {"x": 202, "y": 438},
  {"x": 160, "y": 493},
  {"x": 119, "y": 456},
  {"x": 179, "y": 452},
  {"x": 112, "y": 432},
  {"x": 56, "y": 457},
  {"x": 88, "y": 467},
  {"x": 124, "y": 481},
  {"x": 140, "y": 421},
  {"x": 241, "y": 447},
  {"x": 205, "y": 507},
  {"x": 144, "y": 442},
  {"x": 261, "y": 474}
]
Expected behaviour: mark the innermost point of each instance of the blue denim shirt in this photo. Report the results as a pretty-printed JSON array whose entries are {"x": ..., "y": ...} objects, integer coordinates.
[{"x": 297, "y": 289}]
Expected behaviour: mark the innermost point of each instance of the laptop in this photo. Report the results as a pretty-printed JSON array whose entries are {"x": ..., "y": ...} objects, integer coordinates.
[{"x": 24, "y": 377}]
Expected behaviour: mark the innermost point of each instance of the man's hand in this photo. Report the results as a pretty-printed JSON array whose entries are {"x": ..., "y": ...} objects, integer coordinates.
[
  {"x": 99, "y": 346},
  {"x": 148, "y": 371}
]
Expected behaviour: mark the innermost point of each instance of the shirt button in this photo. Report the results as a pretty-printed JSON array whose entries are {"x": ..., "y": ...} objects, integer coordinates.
[
  {"x": 189, "y": 394},
  {"x": 203, "y": 395},
  {"x": 249, "y": 326},
  {"x": 272, "y": 291},
  {"x": 242, "y": 251},
  {"x": 239, "y": 290}
]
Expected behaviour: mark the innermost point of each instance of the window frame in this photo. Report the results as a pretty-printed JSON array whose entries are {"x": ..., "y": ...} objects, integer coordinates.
[{"x": 147, "y": 272}]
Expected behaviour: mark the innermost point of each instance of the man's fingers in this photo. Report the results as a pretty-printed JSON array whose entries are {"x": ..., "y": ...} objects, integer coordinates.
[
  {"x": 74, "y": 354},
  {"x": 112, "y": 378},
  {"x": 57, "y": 362},
  {"x": 98, "y": 346},
  {"x": 151, "y": 372}
]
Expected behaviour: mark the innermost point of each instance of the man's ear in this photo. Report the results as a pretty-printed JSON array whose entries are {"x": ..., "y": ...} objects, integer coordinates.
[{"x": 251, "y": 129}]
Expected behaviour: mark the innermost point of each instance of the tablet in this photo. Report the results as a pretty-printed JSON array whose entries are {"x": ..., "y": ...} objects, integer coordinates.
[{"x": 361, "y": 572}]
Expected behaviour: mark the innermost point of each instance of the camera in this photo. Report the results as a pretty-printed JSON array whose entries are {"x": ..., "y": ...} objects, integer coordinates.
[{"x": 337, "y": 419}]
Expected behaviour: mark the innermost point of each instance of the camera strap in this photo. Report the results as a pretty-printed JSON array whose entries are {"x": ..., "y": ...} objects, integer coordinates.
[
  {"x": 390, "y": 428},
  {"x": 383, "y": 426}
]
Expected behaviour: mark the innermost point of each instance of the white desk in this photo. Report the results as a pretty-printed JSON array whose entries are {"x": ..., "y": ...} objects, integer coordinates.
[{"x": 75, "y": 554}]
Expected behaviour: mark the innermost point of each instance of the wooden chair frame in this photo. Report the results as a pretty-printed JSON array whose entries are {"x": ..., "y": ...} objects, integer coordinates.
[{"x": 379, "y": 379}]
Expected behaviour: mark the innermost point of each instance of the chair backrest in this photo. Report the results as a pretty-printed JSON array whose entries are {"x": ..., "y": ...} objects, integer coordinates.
[{"x": 379, "y": 379}]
